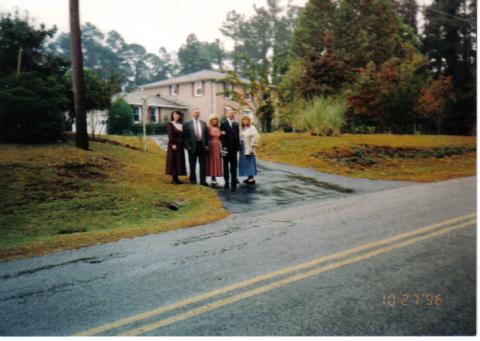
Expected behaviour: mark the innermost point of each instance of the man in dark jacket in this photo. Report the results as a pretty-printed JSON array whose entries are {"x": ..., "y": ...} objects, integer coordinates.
[
  {"x": 230, "y": 139},
  {"x": 195, "y": 134}
]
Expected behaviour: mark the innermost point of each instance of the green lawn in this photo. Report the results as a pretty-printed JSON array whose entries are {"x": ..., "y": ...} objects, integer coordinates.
[
  {"x": 57, "y": 197},
  {"x": 422, "y": 158}
]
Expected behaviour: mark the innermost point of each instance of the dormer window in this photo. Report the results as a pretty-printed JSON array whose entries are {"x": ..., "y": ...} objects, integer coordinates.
[{"x": 198, "y": 88}]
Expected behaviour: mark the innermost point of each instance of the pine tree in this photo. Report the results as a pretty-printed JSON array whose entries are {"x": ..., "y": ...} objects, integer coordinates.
[
  {"x": 449, "y": 43},
  {"x": 408, "y": 10}
]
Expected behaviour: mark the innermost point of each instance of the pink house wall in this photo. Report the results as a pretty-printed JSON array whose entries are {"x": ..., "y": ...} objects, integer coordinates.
[{"x": 208, "y": 104}]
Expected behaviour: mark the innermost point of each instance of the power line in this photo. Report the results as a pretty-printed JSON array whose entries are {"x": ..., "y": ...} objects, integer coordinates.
[{"x": 448, "y": 14}]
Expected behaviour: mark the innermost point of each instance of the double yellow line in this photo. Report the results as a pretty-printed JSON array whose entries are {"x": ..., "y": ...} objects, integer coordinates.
[{"x": 294, "y": 275}]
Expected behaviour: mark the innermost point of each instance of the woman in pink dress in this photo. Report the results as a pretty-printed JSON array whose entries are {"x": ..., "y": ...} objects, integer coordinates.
[{"x": 214, "y": 160}]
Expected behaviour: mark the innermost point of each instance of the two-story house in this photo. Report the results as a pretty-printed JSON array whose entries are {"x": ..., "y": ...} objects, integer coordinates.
[{"x": 202, "y": 90}]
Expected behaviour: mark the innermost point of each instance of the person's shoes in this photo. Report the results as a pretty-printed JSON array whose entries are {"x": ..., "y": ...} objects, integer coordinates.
[
  {"x": 226, "y": 186},
  {"x": 179, "y": 182},
  {"x": 237, "y": 182},
  {"x": 234, "y": 189},
  {"x": 205, "y": 184},
  {"x": 246, "y": 181},
  {"x": 251, "y": 182},
  {"x": 193, "y": 182}
]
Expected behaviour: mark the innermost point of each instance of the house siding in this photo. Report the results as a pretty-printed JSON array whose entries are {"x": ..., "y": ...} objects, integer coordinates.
[
  {"x": 206, "y": 103},
  {"x": 185, "y": 95}
]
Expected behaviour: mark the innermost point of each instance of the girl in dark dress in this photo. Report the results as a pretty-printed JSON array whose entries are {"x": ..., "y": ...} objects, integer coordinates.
[{"x": 175, "y": 164}]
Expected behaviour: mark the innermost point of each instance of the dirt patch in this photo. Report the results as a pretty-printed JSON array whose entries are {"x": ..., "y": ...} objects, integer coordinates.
[
  {"x": 90, "y": 169},
  {"x": 115, "y": 143},
  {"x": 368, "y": 155},
  {"x": 70, "y": 230},
  {"x": 26, "y": 184}
]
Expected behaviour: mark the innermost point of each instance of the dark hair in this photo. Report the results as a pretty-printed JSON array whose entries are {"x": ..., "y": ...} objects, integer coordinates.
[{"x": 178, "y": 112}]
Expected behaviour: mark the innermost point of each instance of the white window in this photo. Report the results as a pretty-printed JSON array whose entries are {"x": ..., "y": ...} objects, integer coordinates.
[
  {"x": 153, "y": 114},
  {"x": 198, "y": 88},
  {"x": 228, "y": 90},
  {"x": 136, "y": 113},
  {"x": 248, "y": 97},
  {"x": 174, "y": 90},
  {"x": 248, "y": 112}
]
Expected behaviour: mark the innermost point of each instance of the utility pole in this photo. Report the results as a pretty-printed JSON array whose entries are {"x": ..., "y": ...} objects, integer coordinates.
[
  {"x": 81, "y": 136},
  {"x": 19, "y": 60},
  {"x": 144, "y": 115}
]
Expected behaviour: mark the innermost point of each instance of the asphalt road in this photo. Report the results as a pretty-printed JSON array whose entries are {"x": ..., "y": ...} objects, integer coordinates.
[{"x": 386, "y": 259}]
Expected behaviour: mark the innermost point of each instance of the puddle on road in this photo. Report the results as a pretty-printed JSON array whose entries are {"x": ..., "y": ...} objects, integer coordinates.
[{"x": 276, "y": 188}]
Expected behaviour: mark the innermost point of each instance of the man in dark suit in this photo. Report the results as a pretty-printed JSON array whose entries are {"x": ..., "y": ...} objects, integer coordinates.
[
  {"x": 196, "y": 142},
  {"x": 230, "y": 139}
]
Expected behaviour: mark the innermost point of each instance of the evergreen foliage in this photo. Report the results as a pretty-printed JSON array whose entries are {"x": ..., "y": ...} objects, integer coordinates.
[{"x": 120, "y": 118}]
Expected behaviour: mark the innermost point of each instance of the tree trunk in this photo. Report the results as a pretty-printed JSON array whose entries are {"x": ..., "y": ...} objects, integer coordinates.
[
  {"x": 439, "y": 126},
  {"x": 81, "y": 136}
]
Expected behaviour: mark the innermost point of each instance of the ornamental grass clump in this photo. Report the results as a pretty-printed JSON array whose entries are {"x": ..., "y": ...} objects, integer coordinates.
[{"x": 325, "y": 115}]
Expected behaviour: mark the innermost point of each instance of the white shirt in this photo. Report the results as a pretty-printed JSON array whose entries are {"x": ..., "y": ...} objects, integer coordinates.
[
  {"x": 198, "y": 128},
  {"x": 230, "y": 122},
  {"x": 178, "y": 126}
]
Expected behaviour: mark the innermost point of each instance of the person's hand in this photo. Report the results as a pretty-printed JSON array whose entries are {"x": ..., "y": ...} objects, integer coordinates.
[
  {"x": 223, "y": 133},
  {"x": 174, "y": 147},
  {"x": 206, "y": 148}
]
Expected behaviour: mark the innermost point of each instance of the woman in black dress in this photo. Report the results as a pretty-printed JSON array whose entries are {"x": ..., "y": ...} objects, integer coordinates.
[{"x": 175, "y": 164}]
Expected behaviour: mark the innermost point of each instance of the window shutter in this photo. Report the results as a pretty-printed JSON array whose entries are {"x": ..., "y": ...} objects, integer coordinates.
[
  {"x": 178, "y": 89},
  {"x": 203, "y": 88},
  {"x": 170, "y": 87},
  {"x": 193, "y": 89}
]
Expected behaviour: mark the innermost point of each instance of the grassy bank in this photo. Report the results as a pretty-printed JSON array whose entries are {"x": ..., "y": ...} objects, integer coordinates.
[
  {"x": 57, "y": 197},
  {"x": 422, "y": 158}
]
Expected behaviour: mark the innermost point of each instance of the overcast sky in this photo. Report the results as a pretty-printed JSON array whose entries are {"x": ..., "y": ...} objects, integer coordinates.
[{"x": 151, "y": 23}]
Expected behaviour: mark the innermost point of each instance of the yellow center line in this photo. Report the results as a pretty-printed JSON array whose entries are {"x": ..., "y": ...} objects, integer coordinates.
[
  {"x": 298, "y": 277},
  {"x": 270, "y": 275}
]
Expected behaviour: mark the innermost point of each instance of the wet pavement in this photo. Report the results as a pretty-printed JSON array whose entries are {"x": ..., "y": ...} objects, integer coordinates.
[
  {"x": 292, "y": 216},
  {"x": 70, "y": 292},
  {"x": 280, "y": 185}
]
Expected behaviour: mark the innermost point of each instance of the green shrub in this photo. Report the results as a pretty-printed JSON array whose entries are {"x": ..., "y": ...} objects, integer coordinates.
[
  {"x": 325, "y": 115},
  {"x": 363, "y": 129},
  {"x": 32, "y": 108},
  {"x": 292, "y": 116},
  {"x": 152, "y": 129},
  {"x": 120, "y": 118}
]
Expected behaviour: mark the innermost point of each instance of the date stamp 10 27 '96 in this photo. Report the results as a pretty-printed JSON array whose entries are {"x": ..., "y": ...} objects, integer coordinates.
[{"x": 426, "y": 299}]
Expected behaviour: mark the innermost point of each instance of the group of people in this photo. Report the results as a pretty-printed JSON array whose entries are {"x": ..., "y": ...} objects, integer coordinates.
[{"x": 208, "y": 144}]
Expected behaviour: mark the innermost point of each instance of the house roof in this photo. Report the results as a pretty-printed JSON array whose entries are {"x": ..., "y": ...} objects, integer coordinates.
[
  {"x": 191, "y": 77},
  {"x": 135, "y": 98}
]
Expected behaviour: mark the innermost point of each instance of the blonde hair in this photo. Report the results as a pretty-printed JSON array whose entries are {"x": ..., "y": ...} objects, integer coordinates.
[
  {"x": 246, "y": 117},
  {"x": 211, "y": 118}
]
